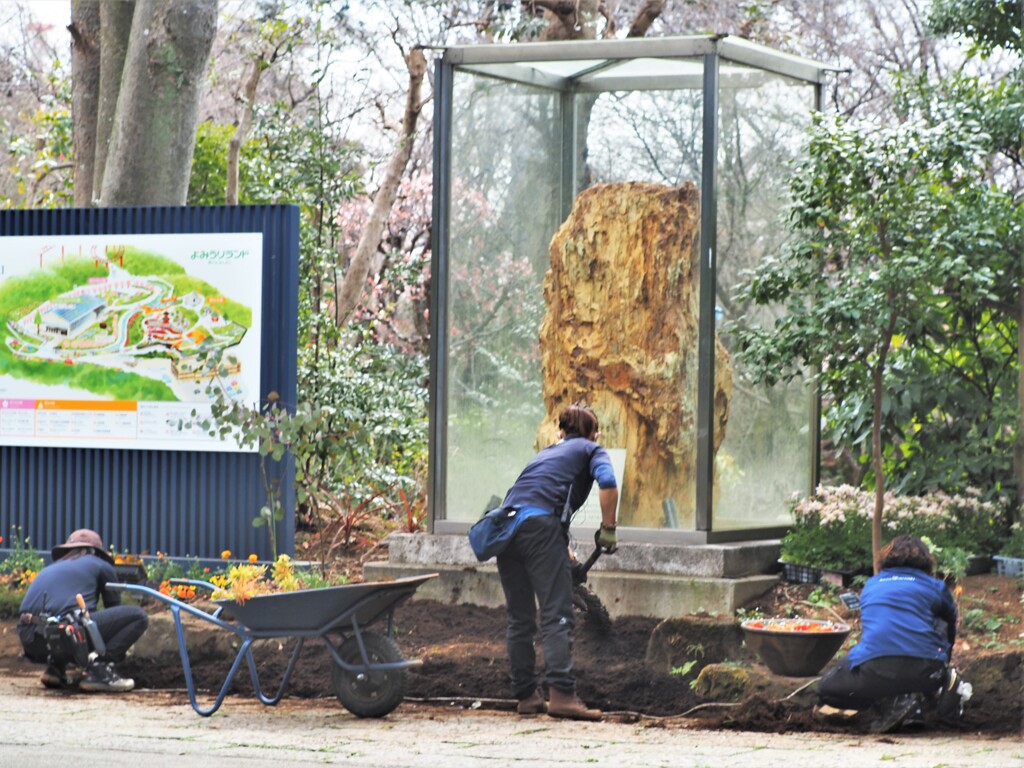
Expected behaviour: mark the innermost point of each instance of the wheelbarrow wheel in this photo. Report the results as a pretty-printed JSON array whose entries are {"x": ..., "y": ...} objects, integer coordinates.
[{"x": 376, "y": 692}]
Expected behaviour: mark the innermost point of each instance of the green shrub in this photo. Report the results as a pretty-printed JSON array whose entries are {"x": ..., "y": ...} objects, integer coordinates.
[
  {"x": 832, "y": 527},
  {"x": 10, "y": 601},
  {"x": 22, "y": 558}
]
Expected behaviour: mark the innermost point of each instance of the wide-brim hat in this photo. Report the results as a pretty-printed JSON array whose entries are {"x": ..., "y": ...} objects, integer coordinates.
[{"x": 81, "y": 539}]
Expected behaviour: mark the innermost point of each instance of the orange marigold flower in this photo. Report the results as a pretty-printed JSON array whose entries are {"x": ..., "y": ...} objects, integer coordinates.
[
  {"x": 206, "y": 570},
  {"x": 253, "y": 558},
  {"x": 225, "y": 554}
]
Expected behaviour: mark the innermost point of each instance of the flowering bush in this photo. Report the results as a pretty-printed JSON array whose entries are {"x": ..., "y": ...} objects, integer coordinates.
[
  {"x": 832, "y": 528},
  {"x": 247, "y": 580},
  {"x": 23, "y": 562},
  {"x": 965, "y": 521}
]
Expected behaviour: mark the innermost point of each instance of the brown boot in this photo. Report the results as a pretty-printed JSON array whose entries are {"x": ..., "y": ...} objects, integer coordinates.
[
  {"x": 533, "y": 704},
  {"x": 568, "y": 705}
]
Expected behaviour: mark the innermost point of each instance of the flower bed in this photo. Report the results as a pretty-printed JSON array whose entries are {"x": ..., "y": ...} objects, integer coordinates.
[{"x": 832, "y": 528}]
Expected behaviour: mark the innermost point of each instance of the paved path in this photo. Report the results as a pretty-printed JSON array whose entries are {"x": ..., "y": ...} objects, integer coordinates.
[{"x": 43, "y": 729}]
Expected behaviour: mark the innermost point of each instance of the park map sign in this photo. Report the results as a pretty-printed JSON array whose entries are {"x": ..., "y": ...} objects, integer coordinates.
[{"x": 124, "y": 341}]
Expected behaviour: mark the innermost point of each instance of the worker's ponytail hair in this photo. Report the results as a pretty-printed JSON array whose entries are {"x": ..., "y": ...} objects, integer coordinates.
[{"x": 578, "y": 421}]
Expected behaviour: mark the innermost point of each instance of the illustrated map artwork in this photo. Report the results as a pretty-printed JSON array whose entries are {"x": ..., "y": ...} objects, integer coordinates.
[{"x": 124, "y": 341}]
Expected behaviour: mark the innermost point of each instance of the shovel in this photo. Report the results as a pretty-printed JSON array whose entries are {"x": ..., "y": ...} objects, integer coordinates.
[{"x": 595, "y": 615}]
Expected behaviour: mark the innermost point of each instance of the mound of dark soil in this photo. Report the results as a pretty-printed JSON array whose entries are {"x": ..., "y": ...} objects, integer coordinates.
[{"x": 462, "y": 648}]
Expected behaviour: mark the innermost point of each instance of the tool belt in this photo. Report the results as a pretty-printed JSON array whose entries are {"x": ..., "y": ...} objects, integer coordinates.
[{"x": 67, "y": 641}]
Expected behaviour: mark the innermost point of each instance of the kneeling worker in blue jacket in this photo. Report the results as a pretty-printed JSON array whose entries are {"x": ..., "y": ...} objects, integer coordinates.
[{"x": 901, "y": 664}]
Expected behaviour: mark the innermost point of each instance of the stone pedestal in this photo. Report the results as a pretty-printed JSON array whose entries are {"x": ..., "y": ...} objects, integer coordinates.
[{"x": 638, "y": 580}]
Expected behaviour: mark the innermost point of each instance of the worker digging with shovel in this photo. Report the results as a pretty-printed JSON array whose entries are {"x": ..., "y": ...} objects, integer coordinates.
[{"x": 536, "y": 568}]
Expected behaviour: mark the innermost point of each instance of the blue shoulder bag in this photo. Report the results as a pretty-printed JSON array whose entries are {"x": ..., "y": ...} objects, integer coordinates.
[{"x": 491, "y": 533}]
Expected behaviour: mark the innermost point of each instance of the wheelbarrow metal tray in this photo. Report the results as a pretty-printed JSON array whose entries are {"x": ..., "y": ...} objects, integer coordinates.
[{"x": 315, "y": 610}]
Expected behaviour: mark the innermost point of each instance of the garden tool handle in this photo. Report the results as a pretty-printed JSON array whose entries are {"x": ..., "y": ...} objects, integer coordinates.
[
  {"x": 589, "y": 562},
  {"x": 95, "y": 638}
]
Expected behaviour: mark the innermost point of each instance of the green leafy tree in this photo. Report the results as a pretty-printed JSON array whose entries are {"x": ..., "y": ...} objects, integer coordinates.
[
  {"x": 41, "y": 160},
  {"x": 886, "y": 227},
  {"x": 359, "y": 426},
  {"x": 995, "y": 30},
  {"x": 988, "y": 24}
]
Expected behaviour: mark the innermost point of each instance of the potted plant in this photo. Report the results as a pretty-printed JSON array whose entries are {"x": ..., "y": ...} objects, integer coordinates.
[
  {"x": 831, "y": 536},
  {"x": 1010, "y": 560},
  {"x": 794, "y": 647}
]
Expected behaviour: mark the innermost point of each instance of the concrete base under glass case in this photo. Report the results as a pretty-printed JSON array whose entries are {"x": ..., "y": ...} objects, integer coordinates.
[{"x": 656, "y": 580}]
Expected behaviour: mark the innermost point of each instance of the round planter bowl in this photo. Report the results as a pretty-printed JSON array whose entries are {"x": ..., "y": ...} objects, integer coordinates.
[{"x": 793, "y": 652}]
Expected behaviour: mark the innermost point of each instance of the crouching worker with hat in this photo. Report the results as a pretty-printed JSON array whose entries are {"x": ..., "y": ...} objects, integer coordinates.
[{"x": 81, "y": 567}]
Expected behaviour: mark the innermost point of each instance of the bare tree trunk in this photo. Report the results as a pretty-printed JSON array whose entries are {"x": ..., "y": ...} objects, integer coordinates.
[
  {"x": 1018, "y": 446},
  {"x": 642, "y": 22},
  {"x": 153, "y": 136},
  {"x": 116, "y": 21},
  {"x": 878, "y": 387},
  {"x": 876, "y": 463},
  {"x": 355, "y": 276},
  {"x": 248, "y": 98},
  {"x": 85, "y": 71},
  {"x": 567, "y": 19},
  {"x": 645, "y": 17}
]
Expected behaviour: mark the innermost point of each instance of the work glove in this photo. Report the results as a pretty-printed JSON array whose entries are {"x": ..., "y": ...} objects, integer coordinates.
[{"x": 606, "y": 539}]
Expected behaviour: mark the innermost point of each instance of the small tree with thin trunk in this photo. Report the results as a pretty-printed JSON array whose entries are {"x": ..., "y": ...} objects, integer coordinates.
[{"x": 886, "y": 223}]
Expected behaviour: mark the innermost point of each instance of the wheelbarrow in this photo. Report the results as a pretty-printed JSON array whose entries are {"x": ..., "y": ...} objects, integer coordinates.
[{"x": 369, "y": 674}]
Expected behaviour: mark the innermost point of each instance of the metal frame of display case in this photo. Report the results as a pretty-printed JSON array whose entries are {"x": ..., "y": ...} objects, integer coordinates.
[{"x": 571, "y": 68}]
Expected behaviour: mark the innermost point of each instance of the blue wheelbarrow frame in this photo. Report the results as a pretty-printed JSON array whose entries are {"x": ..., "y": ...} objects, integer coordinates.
[{"x": 345, "y": 611}]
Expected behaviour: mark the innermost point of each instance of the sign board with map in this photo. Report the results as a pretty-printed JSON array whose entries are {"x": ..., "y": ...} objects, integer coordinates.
[{"x": 124, "y": 341}]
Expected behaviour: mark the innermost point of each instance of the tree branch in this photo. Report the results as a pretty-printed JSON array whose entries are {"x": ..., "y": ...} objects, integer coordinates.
[
  {"x": 355, "y": 278},
  {"x": 645, "y": 17},
  {"x": 248, "y": 99}
]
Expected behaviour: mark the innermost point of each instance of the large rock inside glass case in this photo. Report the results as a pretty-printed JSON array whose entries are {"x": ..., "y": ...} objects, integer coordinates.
[{"x": 621, "y": 335}]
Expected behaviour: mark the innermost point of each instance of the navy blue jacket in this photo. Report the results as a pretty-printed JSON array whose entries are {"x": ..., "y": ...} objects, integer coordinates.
[
  {"x": 53, "y": 590},
  {"x": 905, "y": 612},
  {"x": 563, "y": 471}
]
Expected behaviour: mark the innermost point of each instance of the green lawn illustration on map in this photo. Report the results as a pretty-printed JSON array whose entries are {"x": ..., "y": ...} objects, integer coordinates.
[{"x": 135, "y": 326}]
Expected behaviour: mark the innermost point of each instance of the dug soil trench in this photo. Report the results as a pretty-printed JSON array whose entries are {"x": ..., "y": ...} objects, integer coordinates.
[{"x": 639, "y": 669}]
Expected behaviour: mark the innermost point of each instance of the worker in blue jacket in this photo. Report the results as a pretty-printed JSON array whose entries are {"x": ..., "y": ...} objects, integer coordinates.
[
  {"x": 908, "y": 627},
  {"x": 535, "y": 567}
]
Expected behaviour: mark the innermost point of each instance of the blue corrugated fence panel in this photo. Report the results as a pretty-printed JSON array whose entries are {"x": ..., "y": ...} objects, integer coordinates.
[{"x": 182, "y": 503}]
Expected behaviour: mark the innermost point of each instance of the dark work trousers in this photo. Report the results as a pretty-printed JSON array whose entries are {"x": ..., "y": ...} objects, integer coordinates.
[
  {"x": 859, "y": 687},
  {"x": 120, "y": 626},
  {"x": 535, "y": 569}
]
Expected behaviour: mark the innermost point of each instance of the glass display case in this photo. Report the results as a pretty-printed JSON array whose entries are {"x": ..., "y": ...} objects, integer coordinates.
[{"x": 523, "y": 133}]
